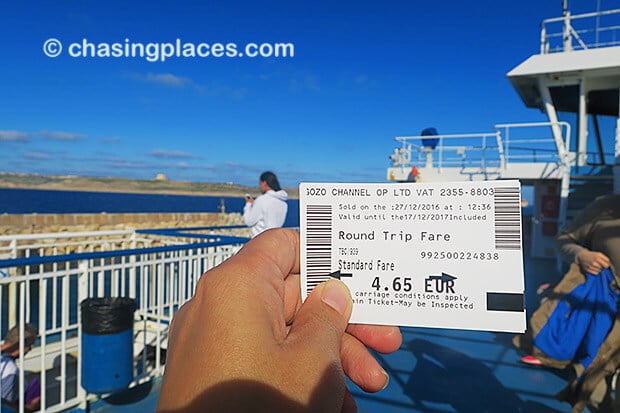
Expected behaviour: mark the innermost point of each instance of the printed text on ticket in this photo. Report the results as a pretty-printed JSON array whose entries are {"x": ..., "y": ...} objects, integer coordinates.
[{"x": 444, "y": 255}]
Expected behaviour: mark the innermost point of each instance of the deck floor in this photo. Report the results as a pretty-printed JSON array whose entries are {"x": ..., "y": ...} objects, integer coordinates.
[
  {"x": 462, "y": 371},
  {"x": 439, "y": 370}
]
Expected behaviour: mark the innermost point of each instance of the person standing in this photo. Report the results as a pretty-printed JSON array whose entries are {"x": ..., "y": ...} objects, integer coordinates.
[
  {"x": 578, "y": 324},
  {"x": 592, "y": 241},
  {"x": 267, "y": 210}
]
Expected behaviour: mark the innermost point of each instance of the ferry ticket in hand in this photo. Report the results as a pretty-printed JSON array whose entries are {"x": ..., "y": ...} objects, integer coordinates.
[{"x": 445, "y": 255}]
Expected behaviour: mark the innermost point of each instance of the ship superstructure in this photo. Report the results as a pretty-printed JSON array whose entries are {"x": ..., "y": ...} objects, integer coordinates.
[{"x": 575, "y": 74}]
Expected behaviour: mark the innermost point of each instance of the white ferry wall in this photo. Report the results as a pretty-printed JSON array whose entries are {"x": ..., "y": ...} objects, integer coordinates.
[{"x": 576, "y": 72}]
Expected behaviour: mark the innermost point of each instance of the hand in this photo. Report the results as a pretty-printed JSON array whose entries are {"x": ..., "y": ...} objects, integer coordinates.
[
  {"x": 592, "y": 262},
  {"x": 34, "y": 405},
  {"x": 245, "y": 343},
  {"x": 249, "y": 199}
]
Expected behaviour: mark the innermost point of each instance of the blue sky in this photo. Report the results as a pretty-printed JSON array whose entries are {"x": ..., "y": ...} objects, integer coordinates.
[{"x": 362, "y": 73}]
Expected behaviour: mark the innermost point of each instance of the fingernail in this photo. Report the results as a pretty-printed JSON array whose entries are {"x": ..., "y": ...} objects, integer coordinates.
[
  {"x": 336, "y": 296},
  {"x": 387, "y": 380}
]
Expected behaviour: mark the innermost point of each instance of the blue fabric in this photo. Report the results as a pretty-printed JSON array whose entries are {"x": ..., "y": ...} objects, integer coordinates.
[{"x": 581, "y": 321}]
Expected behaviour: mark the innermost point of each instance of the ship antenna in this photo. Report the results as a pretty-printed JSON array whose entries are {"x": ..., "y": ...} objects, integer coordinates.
[{"x": 568, "y": 46}]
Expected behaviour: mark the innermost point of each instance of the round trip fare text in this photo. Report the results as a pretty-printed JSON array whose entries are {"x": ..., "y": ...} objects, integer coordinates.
[{"x": 393, "y": 236}]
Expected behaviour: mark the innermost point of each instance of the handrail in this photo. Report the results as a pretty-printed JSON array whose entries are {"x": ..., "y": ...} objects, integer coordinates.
[
  {"x": 569, "y": 32},
  {"x": 47, "y": 290},
  {"x": 57, "y": 235},
  {"x": 18, "y": 262},
  {"x": 561, "y": 148},
  {"x": 452, "y": 136},
  {"x": 491, "y": 154},
  {"x": 185, "y": 229}
]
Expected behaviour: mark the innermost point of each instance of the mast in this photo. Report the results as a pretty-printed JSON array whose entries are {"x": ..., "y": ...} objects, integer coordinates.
[{"x": 568, "y": 44}]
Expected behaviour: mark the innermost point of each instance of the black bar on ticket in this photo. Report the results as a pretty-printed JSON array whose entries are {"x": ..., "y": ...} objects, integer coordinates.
[{"x": 505, "y": 302}]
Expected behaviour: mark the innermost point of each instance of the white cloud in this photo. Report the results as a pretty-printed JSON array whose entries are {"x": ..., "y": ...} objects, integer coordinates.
[
  {"x": 218, "y": 89},
  {"x": 166, "y": 154},
  {"x": 63, "y": 136},
  {"x": 37, "y": 156},
  {"x": 173, "y": 81},
  {"x": 365, "y": 82},
  {"x": 304, "y": 82},
  {"x": 13, "y": 136},
  {"x": 165, "y": 79},
  {"x": 120, "y": 163}
]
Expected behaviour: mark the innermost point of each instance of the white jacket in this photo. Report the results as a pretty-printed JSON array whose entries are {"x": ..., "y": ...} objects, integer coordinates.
[
  {"x": 267, "y": 211},
  {"x": 10, "y": 379}
]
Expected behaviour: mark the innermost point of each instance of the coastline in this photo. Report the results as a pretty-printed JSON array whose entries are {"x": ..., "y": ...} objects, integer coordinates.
[
  {"x": 60, "y": 217},
  {"x": 125, "y": 185}
]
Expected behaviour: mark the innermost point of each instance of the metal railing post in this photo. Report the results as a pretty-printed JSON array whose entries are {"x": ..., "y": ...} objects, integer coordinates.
[
  {"x": 500, "y": 148},
  {"x": 22, "y": 313},
  {"x": 43, "y": 339},
  {"x": 12, "y": 290},
  {"x": 544, "y": 43},
  {"x": 566, "y": 33},
  {"x": 65, "y": 280},
  {"x": 82, "y": 292}
]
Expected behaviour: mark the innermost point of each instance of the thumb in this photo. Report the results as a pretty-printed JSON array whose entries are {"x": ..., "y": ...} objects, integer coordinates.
[
  {"x": 314, "y": 341},
  {"x": 324, "y": 316}
]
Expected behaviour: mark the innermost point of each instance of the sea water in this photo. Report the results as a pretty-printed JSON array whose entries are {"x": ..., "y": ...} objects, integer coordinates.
[{"x": 29, "y": 201}]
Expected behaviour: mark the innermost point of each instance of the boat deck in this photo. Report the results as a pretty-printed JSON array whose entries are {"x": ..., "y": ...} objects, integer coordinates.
[{"x": 439, "y": 370}]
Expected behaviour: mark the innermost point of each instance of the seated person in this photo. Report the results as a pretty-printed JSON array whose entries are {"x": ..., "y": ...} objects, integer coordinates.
[{"x": 9, "y": 371}]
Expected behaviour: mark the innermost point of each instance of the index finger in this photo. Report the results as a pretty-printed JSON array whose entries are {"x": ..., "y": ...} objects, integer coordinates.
[
  {"x": 250, "y": 286},
  {"x": 603, "y": 260},
  {"x": 275, "y": 249}
]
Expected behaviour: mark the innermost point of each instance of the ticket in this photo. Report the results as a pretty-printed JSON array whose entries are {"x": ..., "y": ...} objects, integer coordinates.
[{"x": 445, "y": 255}]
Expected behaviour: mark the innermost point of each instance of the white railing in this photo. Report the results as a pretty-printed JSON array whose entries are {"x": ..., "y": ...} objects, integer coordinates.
[
  {"x": 534, "y": 142},
  {"x": 46, "y": 291},
  {"x": 486, "y": 152},
  {"x": 26, "y": 245},
  {"x": 581, "y": 31}
]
